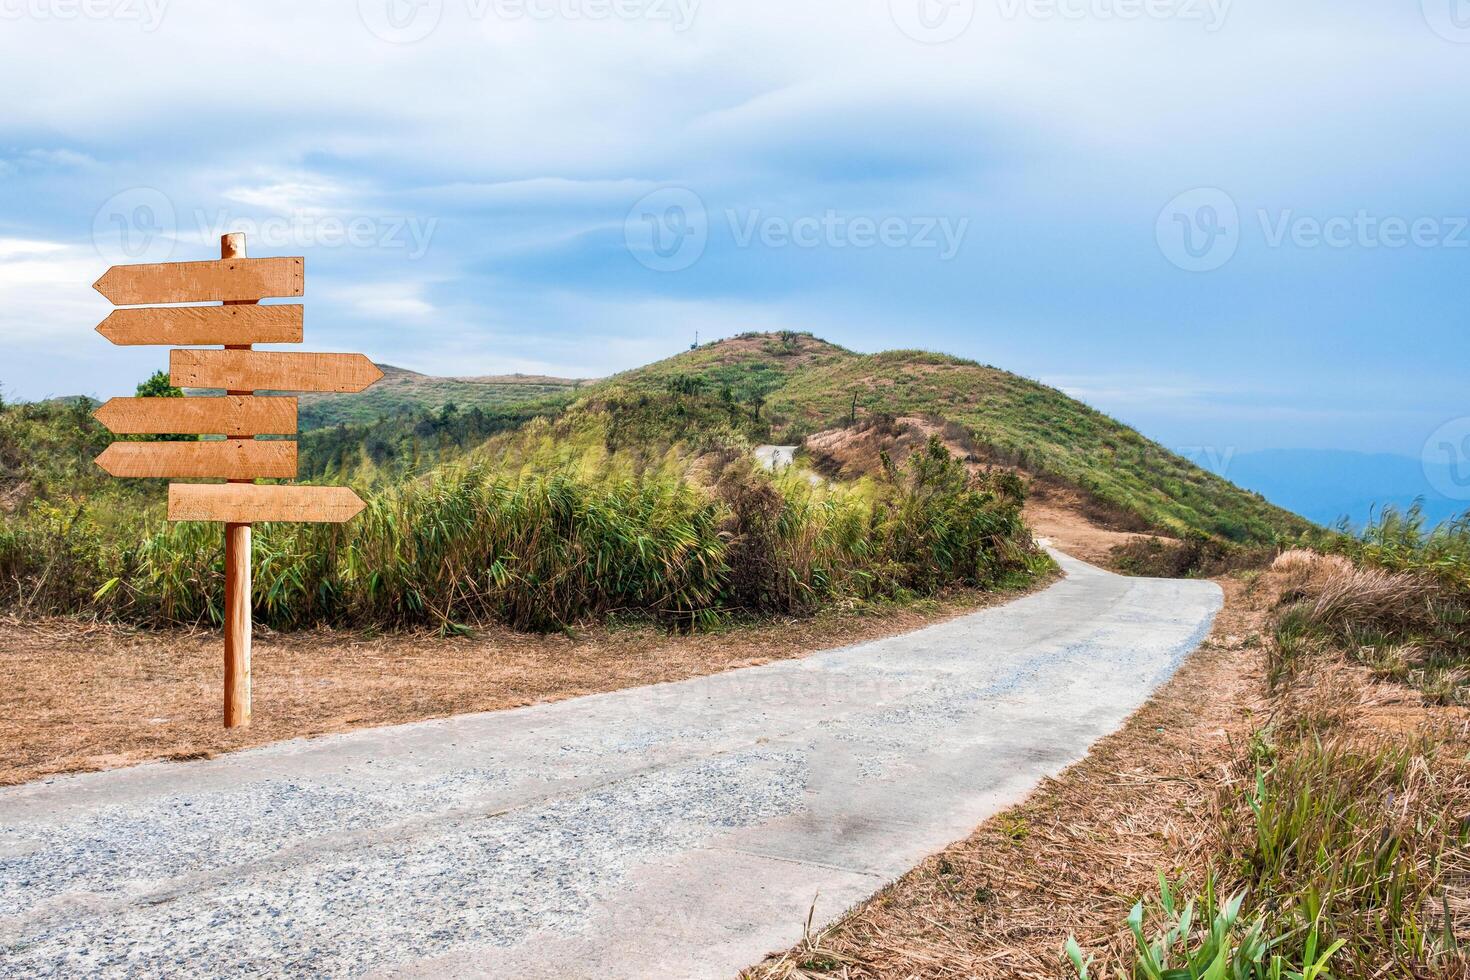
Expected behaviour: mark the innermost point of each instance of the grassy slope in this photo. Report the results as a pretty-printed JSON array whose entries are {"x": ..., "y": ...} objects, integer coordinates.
[
  {"x": 807, "y": 384},
  {"x": 403, "y": 392}
]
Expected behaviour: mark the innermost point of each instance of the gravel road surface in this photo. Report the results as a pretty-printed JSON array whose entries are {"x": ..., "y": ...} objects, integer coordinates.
[{"x": 680, "y": 830}]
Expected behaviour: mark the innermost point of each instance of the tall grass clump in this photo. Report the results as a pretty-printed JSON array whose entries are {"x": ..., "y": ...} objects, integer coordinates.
[
  {"x": 1354, "y": 838},
  {"x": 1395, "y": 597}
]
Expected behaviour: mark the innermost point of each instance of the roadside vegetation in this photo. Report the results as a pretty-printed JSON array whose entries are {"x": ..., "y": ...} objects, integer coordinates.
[
  {"x": 509, "y": 538},
  {"x": 1342, "y": 839}
]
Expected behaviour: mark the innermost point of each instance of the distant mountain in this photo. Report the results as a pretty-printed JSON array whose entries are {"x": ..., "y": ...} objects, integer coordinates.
[
  {"x": 1324, "y": 485},
  {"x": 404, "y": 392}
]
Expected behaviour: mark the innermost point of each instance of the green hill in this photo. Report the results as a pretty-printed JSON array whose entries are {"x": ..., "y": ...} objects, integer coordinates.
[
  {"x": 404, "y": 392},
  {"x": 783, "y": 387}
]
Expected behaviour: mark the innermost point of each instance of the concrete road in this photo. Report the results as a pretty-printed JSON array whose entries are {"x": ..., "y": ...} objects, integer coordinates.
[
  {"x": 775, "y": 457},
  {"x": 680, "y": 830}
]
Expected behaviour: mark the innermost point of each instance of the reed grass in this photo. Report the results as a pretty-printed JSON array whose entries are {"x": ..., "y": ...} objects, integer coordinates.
[{"x": 469, "y": 544}]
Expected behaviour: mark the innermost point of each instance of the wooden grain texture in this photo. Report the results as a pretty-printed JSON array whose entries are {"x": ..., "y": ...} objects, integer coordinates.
[
  {"x": 236, "y": 459},
  {"x": 203, "y": 282},
  {"x": 232, "y": 415},
  {"x": 237, "y": 625},
  {"x": 182, "y": 325},
  {"x": 239, "y": 587},
  {"x": 260, "y": 370},
  {"x": 249, "y": 503}
]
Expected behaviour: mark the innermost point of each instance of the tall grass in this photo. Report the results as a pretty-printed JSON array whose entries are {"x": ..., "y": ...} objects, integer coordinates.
[{"x": 468, "y": 544}]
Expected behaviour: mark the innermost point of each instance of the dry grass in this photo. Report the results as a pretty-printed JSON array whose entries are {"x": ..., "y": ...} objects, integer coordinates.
[
  {"x": 1337, "y": 591},
  {"x": 81, "y": 696}
]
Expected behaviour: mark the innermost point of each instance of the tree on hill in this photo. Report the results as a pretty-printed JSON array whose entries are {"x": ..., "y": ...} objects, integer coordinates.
[{"x": 159, "y": 386}]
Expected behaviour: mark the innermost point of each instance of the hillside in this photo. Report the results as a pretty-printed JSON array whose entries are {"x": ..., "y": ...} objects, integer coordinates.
[
  {"x": 848, "y": 408},
  {"x": 405, "y": 392},
  {"x": 785, "y": 387}
]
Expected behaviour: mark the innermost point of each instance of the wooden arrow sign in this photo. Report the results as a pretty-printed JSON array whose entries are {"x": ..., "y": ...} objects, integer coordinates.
[
  {"x": 231, "y": 279},
  {"x": 204, "y": 325},
  {"x": 247, "y": 503},
  {"x": 231, "y": 415},
  {"x": 256, "y": 370},
  {"x": 239, "y": 283},
  {"x": 235, "y": 459}
]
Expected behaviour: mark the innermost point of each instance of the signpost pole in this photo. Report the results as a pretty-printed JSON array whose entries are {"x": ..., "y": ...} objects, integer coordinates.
[{"x": 237, "y": 566}]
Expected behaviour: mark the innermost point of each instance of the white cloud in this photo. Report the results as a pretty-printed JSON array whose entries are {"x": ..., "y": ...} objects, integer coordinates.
[
  {"x": 11, "y": 248},
  {"x": 46, "y": 296}
]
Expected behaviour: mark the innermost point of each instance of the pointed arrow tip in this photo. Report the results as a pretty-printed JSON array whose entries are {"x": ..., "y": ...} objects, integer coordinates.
[{"x": 103, "y": 459}]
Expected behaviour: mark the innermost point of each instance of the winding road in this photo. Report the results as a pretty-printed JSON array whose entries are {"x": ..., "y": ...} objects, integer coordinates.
[{"x": 680, "y": 830}]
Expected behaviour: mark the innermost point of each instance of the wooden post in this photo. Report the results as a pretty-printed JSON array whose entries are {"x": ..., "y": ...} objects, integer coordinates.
[{"x": 237, "y": 565}]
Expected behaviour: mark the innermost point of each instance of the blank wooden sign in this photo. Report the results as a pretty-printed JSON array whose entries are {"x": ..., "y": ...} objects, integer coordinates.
[
  {"x": 233, "y": 459},
  {"x": 239, "y": 283},
  {"x": 229, "y": 415},
  {"x": 250, "y": 503},
  {"x": 202, "y": 282},
  {"x": 269, "y": 370},
  {"x": 204, "y": 325}
]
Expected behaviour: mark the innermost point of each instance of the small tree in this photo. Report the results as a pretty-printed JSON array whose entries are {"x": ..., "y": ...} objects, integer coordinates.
[{"x": 158, "y": 386}]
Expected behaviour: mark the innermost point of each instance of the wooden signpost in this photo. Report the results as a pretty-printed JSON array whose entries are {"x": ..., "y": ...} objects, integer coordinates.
[{"x": 239, "y": 415}]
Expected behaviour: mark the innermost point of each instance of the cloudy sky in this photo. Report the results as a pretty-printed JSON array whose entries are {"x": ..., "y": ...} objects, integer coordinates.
[{"x": 1234, "y": 223}]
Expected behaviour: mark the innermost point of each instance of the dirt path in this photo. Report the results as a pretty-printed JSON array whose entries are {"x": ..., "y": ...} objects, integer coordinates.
[
  {"x": 671, "y": 830},
  {"x": 1075, "y": 534}
]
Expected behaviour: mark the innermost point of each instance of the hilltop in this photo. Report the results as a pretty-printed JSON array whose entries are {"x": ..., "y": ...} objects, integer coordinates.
[
  {"x": 849, "y": 411},
  {"x": 786, "y": 387}
]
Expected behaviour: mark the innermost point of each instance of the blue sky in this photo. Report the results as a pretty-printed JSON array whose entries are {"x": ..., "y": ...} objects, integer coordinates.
[{"x": 578, "y": 186}]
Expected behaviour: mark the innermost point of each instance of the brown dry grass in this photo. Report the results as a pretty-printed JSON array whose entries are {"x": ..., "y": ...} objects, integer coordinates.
[
  {"x": 83, "y": 696},
  {"x": 1337, "y": 591}
]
